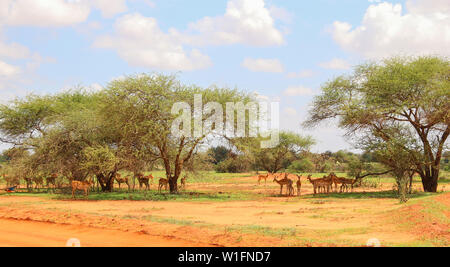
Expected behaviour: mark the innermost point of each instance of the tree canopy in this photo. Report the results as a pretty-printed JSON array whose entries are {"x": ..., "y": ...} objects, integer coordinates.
[
  {"x": 126, "y": 126},
  {"x": 289, "y": 148},
  {"x": 399, "y": 105}
]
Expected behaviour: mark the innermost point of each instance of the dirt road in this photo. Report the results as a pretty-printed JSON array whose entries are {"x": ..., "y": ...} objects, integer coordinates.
[{"x": 14, "y": 233}]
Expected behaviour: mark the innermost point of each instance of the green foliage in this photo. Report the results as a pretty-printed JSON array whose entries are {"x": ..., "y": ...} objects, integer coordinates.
[
  {"x": 145, "y": 118},
  {"x": 400, "y": 103},
  {"x": 126, "y": 126},
  {"x": 371, "y": 183},
  {"x": 99, "y": 159},
  {"x": 289, "y": 148},
  {"x": 233, "y": 165},
  {"x": 219, "y": 154},
  {"x": 304, "y": 165}
]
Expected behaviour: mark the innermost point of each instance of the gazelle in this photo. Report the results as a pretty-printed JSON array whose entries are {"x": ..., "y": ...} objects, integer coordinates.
[
  {"x": 183, "y": 183},
  {"x": 85, "y": 186},
  {"x": 163, "y": 183},
  {"x": 326, "y": 184},
  {"x": 263, "y": 177},
  {"x": 299, "y": 185},
  {"x": 318, "y": 184},
  {"x": 285, "y": 182},
  {"x": 121, "y": 180},
  {"x": 145, "y": 180},
  {"x": 336, "y": 180},
  {"x": 346, "y": 183}
]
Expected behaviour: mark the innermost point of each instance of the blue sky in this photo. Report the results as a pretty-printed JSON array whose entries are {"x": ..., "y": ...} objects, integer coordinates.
[{"x": 282, "y": 50}]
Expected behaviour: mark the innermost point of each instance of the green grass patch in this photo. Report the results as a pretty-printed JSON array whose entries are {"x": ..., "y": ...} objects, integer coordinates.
[
  {"x": 368, "y": 195},
  {"x": 264, "y": 230},
  {"x": 210, "y": 177},
  {"x": 154, "y": 195}
]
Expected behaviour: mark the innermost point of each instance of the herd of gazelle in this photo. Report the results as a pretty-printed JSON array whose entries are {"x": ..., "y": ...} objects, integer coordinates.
[
  {"x": 142, "y": 179},
  {"x": 145, "y": 181},
  {"x": 322, "y": 185}
]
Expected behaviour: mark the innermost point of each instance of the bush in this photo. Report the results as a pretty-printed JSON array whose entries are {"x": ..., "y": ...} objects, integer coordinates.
[
  {"x": 237, "y": 165},
  {"x": 304, "y": 165},
  {"x": 370, "y": 183}
]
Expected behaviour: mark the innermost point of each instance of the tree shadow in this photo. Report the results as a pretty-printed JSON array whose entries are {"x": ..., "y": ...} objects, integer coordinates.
[{"x": 367, "y": 195}]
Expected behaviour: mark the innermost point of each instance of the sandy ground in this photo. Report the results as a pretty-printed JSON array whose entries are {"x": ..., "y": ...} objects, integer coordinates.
[
  {"x": 271, "y": 221},
  {"x": 17, "y": 233}
]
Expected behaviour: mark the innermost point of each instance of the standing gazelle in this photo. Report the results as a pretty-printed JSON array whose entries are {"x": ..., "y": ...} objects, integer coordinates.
[
  {"x": 163, "y": 183},
  {"x": 183, "y": 183},
  {"x": 336, "y": 181},
  {"x": 122, "y": 180},
  {"x": 299, "y": 185},
  {"x": 324, "y": 183},
  {"x": 263, "y": 177},
  {"x": 78, "y": 185},
  {"x": 285, "y": 182},
  {"x": 144, "y": 180},
  {"x": 346, "y": 183}
]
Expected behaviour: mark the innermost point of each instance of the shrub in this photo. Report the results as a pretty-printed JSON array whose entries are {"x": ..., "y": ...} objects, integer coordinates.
[
  {"x": 237, "y": 165},
  {"x": 304, "y": 165},
  {"x": 370, "y": 183}
]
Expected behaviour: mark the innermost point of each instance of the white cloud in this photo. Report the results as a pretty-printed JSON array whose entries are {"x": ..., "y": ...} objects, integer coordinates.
[
  {"x": 245, "y": 22},
  {"x": 110, "y": 8},
  {"x": 388, "y": 29},
  {"x": 13, "y": 51},
  {"x": 263, "y": 65},
  {"x": 58, "y": 13},
  {"x": 427, "y": 6},
  {"x": 301, "y": 74},
  {"x": 140, "y": 42},
  {"x": 281, "y": 13},
  {"x": 7, "y": 70},
  {"x": 298, "y": 91},
  {"x": 149, "y": 3},
  {"x": 336, "y": 64},
  {"x": 43, "y": 13},
  {"x": 17, "y": 51}
]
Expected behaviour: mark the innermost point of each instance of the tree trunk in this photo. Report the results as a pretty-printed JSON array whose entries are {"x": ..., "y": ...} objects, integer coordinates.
[
  {"x": 430, "y": 183},
  {"x": 106, "y": 182},
  {"x": 173, "y": 184},
  {"x": 411, "y": 180}
]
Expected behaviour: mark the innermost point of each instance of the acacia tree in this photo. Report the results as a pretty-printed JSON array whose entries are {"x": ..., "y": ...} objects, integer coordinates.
[
  {"x": 58, "y": 130},
  {"x": 391, "y": 100},
  {"x": 272, "y": 160},
  {"x": 141, "y": 107}
]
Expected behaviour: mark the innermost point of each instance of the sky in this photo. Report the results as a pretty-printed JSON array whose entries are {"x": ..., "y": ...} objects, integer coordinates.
[{"x": 281, "y": 50}]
